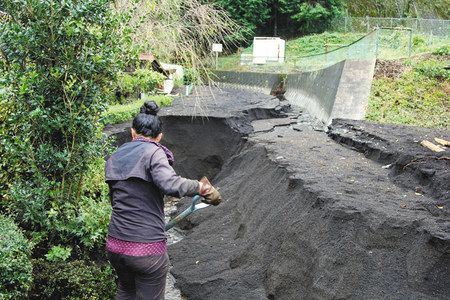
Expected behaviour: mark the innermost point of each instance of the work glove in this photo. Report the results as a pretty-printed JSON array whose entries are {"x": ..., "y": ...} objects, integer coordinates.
[{"x": 210, "y": 194}]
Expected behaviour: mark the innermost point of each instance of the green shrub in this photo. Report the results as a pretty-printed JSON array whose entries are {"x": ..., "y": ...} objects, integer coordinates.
[
  {"x": 59, "y": 253},
  {"x": 148, "y": 81},
  {"x": 91, "y": 222},
  {"x": 58, "y": 59},
  {"x": 117, "y": 114},
  {"x": 127, "y": 85},
  {"x": 418, "y": 41},
  {"x": 433, "y": 69},
  {"x": 8, "y": 167},
  {"x": 84, "y": 223},
  {"x": 72, "y": 280},
  {"x": 443, "y": 51},
  {"x": 15, "y": 264},
  {"x": 188, "y": 76}
]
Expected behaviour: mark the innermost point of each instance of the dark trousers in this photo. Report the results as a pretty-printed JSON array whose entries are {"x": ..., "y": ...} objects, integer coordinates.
[{"x": 140, "y": 277}]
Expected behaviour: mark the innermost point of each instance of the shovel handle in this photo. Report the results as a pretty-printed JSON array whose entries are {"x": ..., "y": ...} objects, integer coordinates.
[
  {"x": 195, "y": 199},
  {"x": 184, "y": 214}
]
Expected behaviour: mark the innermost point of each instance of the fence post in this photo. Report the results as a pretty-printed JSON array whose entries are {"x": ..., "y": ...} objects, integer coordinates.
[
  {"x": 345, "y": 24},
  {"x": 368, "y": 23},
  {"x": 410, "y": 43},
  {"x": 377, "y": 41}
]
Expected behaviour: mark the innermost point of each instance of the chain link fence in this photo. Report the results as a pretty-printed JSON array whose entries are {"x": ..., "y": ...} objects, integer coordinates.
[
  {"x": 361, "y": 49},
  {"x": 381, "y": 42},
  {"x": 433, "y": 27}
]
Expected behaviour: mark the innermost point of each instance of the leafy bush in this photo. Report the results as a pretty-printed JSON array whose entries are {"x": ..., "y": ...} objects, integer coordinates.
[
  {"x": 129, "y": 85},
  {"x": 126, "y": 85},
  {"x": 8, "y": 168},
  {"x": 418, "y": 41},
  {"x": 72, "y": 280},
  {"x": 15, "y": 264},
  {"x": 58, "y": 253},
  {"x": 433, "y": 69},
  {"x": 443, "y": 51},
  {"x": 84, "y": 225},
  {"x": 188, "y": 76},
  {"x": 148, "y": 81},
  {"x": 58, "y": 58},
  {"x": 117, "y": 114}
]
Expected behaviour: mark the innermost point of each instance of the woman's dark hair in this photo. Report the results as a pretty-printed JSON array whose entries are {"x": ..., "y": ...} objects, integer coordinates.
[{"x": 146, "y": 121}]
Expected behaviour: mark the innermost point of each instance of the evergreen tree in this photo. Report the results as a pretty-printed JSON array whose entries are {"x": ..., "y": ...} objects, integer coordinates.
[{"x": 283, "y": 16}]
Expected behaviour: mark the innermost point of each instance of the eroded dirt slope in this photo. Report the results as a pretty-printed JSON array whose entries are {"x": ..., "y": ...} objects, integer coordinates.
[{"x": 306, "y": 217}]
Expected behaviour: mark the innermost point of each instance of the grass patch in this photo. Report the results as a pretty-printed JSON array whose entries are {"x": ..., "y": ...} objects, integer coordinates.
[
  {"x": 420, "y": 96},
  {"x": 121, "y": 113},
  {"x": 319, "y": 43}
]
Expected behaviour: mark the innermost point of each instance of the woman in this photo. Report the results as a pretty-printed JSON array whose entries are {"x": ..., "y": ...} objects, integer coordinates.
[{"x": 139, "y": 174}]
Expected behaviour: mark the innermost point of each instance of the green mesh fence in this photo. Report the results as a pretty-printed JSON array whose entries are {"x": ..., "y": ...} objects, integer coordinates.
[
  {"x": 382, "y": 42},
  {"x": 361, "y": 49}
]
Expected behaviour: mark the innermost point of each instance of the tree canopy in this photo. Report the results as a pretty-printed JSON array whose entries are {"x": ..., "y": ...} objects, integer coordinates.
[{"x": 285, "y": 17}]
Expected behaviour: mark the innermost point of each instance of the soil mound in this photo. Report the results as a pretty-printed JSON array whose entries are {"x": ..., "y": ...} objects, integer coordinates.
[
  {"x": 306, "y": 214},
  {"x": 306, "y": 217}
]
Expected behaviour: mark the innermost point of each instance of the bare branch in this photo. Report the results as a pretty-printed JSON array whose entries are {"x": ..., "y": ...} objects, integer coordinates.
[{"x": 180, "y": 31}]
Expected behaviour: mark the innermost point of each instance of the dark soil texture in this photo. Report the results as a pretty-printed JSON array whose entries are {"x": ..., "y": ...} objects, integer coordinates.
[
  {"x": 360, "y": 212},
  {"x": 398, "y": 147}
]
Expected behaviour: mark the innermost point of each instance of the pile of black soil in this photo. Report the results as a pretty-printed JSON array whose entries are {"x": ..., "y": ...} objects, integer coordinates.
[{"x": 305, "y": 217}]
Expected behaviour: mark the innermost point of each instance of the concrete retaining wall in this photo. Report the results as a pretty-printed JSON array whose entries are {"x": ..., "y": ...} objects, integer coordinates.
[
  {"x": 353, "y": 91},
  {"x": 261, "y": 82},
  {"x": 339, "y": 91},
  {"x": 315, "y": 91}
]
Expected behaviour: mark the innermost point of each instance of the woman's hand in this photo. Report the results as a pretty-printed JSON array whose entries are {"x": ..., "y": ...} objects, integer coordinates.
[{"x": 211, "y": 195}]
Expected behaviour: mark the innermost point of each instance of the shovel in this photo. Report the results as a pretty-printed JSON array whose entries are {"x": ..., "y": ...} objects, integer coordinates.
[{"x": 194, "y": 207}]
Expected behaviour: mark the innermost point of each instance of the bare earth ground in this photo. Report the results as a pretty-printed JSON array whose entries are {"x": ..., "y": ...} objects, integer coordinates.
[{"x": 359, "y": 212}]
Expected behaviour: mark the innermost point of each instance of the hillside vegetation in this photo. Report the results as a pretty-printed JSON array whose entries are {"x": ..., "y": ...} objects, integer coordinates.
[
  {"x": 400, "y": 8},
  {"x": 412, "y": 92}
]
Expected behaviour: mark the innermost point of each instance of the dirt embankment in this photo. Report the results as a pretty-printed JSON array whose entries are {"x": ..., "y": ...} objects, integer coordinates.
[
  {"x": 307, "y": 215},
  {"x": 411, "y": 165}
]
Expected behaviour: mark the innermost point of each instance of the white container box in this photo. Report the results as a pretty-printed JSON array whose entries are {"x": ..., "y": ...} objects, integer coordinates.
[{"x": 268, "y": 49}]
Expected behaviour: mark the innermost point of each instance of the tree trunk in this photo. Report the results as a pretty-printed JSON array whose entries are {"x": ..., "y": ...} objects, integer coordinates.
[{"x": 275, "y": 18}]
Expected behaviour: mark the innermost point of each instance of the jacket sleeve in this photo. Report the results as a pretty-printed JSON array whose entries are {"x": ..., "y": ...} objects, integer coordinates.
[{"x": 165, "y": 178}]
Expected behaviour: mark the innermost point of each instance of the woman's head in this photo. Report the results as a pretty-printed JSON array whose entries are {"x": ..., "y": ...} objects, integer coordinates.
[{"x": 146, "y": 122}]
